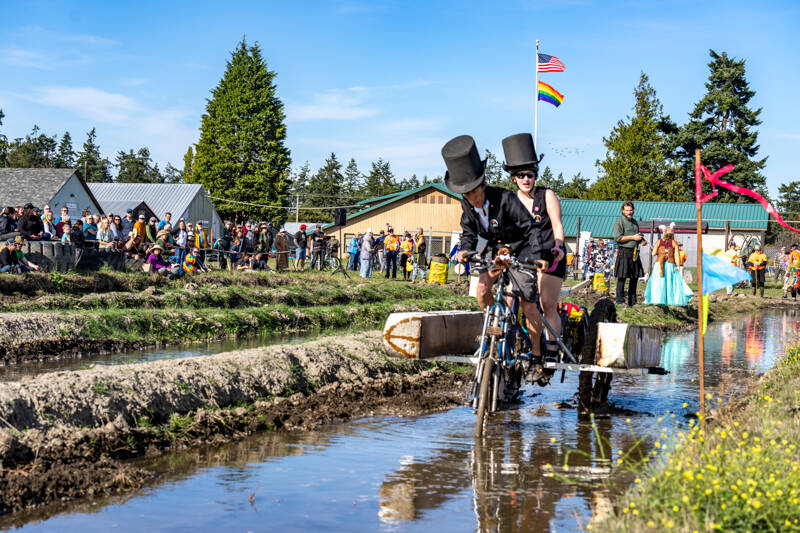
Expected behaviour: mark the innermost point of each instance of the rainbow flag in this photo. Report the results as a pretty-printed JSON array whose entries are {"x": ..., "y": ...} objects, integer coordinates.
[{"x": 548, "y": 94}]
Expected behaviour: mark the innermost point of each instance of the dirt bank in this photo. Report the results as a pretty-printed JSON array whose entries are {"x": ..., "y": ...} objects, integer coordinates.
[{"x": 66, "y": 435}]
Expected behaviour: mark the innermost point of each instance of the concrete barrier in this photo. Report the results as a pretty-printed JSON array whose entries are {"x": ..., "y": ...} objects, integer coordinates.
[
  {"x": 50, "y": 255},
  {"x": 422, "y": 335}
]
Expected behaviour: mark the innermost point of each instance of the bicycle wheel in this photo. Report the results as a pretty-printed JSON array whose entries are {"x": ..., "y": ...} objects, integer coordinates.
[{"x": 487, "y": 380}]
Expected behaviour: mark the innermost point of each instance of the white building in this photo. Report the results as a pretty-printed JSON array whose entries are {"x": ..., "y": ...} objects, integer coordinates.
[{"x": 56, "y": 187}]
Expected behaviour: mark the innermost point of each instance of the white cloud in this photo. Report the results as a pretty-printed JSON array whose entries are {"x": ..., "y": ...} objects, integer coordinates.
[
  {"x": 347, "y": 104},
  {"x": 95, "y": 104},
  {"x": 416, "y": 124}
]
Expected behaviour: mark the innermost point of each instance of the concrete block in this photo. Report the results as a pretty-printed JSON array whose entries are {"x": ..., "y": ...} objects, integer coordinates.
[
  {"x": 622, "y": 345},
  {"x": 420, "y": 335}
]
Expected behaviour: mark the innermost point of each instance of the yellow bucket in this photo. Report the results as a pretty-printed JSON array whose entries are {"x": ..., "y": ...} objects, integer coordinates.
[{"x": 438, "y": 270}]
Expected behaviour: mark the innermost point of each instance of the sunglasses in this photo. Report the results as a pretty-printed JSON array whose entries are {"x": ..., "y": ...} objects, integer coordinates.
[{"x": 524, "y": 175}]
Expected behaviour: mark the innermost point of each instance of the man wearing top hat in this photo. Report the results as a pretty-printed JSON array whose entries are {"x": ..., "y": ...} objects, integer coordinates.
[{"x": 493, "y": 213}]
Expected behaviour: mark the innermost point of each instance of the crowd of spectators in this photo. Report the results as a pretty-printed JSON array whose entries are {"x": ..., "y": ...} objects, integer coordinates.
[
  {"x": 369, "y": 253},
  {"x": 164, "y": 247}
]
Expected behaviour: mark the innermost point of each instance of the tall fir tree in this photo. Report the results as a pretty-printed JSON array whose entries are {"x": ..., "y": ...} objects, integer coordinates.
[
  {"x": 576, "y": 189},
  {"x": 410, "y": 183},
  {"x": 495, "y": 175},
  {"x": 241, "y": 154},
  {"x": 97, "y": 167},
  {"x": 65, "y": 157},
  {"x": 380, "y": 181},
  {"x": 35, "y": 150},
  {"x": 723, "y": 127},
  {"x": 635, "y": 166},
  {"x": 353, "y": 180},
  {"x": 188, "y": 163},
  {"x": 137, "y": 167},
  {"x": 171, "y": 174},
  {"x": 324, "y": 189},
  {"x": 546, "y": 179}
]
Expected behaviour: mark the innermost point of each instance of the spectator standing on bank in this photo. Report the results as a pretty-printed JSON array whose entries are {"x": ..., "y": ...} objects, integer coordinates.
[
  {"x": 140, "y": 227},
  {"x": 333, "y": 247},
  {"x": 115, "y": 225},
  {"x": 152, "y": 230},
  {"x": 317, "y": 248},
  {"x": 406, "y": 249},
  {"x": 757, "y": 263},
  {"x": 264, "y": 245},
  {"x": 352, "y": 250},
  {"x": 181, "y": 241},
  {"x": 367, "y": 242},
  {"x": 166, "y": 220},
  {"x": 64, "y": 211},
  {"x": 391, "y": 244},
  {"x": 249, "y": 238},
  {"x": 282, "y": 250},
  {"x": 628, "y": 265},
  {"x": 225, "y": 244},
  {"x": 420, "y": 257},
  {"x": 301, "y": 245},
  {"x": 380, "y": 250},
  {"x": 128, "y": 223}
]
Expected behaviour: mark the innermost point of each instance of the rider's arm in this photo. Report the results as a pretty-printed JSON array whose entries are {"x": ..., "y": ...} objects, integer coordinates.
[
  {"x": 469, "y": 229},
  {"x": 554, "y": 211}
]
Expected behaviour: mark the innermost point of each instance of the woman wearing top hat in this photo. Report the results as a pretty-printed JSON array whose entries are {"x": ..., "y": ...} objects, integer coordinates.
[
  {"x": 496, "y": 215},
  {"x": 543, "y": 205}
]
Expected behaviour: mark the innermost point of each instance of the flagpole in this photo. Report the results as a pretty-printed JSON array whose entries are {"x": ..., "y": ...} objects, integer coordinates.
[
  {"x": 536, "y": 98},
  {"x": 698, "y": 192}
]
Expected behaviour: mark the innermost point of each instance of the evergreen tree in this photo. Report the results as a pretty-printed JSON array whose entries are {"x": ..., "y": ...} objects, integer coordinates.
[
  {"x": 546, "y": 179},
  {"x": 352, "y": 179},
  {"x": 495, "y": 175},
  {"x": 241, "y": 154},
  {"x": 3, "y": 144},
  {"x": 36, "y": 150},
  {"x": 324, "y": 189},
  {"x": 410, "y": 183},
  {"x": 97, "y": 167},
  {"x": 635, "y": 165},
  {"x": 65, "y": 158},
  {"x": 188, "y": 163},
  {"x": 723, "y": 127},
  {"x": 171, "y": 174},
  {"x": 137, "y": 167},
  {"x": 788, "y": 205},
  {"x": 577, "y": 188},
  {"x": 380, "y": 180}
]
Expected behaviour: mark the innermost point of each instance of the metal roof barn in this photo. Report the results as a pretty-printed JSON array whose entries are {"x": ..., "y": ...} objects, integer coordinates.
[{"x": 183, "y": 200}]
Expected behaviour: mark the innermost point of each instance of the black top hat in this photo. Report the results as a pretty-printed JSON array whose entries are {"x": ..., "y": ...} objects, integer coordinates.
[
  {"x": 520, "y": 153},
  {"x": 465, "y": 170}
]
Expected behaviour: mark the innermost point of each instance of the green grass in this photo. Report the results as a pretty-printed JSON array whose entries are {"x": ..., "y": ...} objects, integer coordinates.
[{"x": 739, "y": 473}]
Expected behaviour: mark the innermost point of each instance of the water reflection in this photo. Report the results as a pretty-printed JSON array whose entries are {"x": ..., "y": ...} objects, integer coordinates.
[{"x": 421, "y": 473}]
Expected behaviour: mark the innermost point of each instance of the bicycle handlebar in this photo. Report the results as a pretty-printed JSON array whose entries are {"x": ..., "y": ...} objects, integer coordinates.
[{"x": 536, "y": 264}]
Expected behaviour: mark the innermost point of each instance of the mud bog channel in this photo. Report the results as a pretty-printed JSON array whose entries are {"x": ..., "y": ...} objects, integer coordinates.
[{"x": 427, "y": 472}]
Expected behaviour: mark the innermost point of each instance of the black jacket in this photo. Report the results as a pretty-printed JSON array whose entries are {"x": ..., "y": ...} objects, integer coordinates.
[
  {"x": 31, "y": 225},
  {"x": 6, "y": 224},
  {"x": 510, "y": 225}
]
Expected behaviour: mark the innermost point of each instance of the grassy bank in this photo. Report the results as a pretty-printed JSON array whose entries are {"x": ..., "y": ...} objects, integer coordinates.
[{"x": 741, "y": 474}]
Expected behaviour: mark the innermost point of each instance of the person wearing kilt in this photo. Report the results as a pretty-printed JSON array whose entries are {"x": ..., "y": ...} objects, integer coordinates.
[{"x": 628, "y": 265}]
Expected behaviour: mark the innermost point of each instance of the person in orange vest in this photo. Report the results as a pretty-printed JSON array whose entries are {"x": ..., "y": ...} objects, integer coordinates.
[
  {"x": 391, "y": 245},
  {"x": 406, "y": 249},
  {"x": 757, "y": 263},
  {"x": 681, "y": 258}
]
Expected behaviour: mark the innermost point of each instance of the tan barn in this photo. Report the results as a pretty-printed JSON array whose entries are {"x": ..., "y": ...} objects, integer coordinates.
[{"x": 432, "y": 207}]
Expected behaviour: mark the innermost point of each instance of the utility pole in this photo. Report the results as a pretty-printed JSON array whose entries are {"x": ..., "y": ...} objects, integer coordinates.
[{"x": 297, "y": 208}]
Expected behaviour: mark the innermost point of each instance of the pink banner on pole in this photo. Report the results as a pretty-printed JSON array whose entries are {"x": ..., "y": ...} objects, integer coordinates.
[{"x": 714, "y": 179}]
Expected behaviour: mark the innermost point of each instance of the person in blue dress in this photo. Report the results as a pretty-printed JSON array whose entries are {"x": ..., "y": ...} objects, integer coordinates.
[{"x": 666, "y": 285}]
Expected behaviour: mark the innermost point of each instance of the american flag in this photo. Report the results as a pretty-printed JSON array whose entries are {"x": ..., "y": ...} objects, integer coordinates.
[{"x": 550, "y": 64}]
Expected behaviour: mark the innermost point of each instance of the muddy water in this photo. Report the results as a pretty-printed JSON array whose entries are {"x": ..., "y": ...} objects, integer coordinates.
[
  {"x": 17, "y": 372},
  {"x": 429, "y": 472}
]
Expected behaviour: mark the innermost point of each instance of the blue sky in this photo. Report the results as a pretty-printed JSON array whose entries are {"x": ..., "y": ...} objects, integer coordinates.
[{"x": 391, "y": 79}]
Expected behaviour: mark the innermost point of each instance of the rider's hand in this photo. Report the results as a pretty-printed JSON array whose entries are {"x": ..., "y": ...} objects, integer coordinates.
[
  {"x": 541, "y": 264},
  {"x": 558, "y": 253},
  {"x": 461, "y": 255}
]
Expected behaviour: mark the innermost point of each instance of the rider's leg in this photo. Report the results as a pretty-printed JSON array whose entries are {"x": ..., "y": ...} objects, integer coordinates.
[
  {"x": 549, "y": 290},
  {"x": 484, "y": 290},
  {"x": 534, "y": 320}
]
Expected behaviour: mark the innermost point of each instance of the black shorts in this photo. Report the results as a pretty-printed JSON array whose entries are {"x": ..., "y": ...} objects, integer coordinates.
[{"x": 561, "y": 269}]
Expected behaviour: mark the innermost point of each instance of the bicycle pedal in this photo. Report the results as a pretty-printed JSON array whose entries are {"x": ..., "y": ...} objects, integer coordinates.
[{"x": 494, "y": 330}]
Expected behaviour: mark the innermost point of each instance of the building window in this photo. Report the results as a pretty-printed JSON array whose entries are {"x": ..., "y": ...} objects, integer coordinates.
[
  {"x": 416, "y": 198},
  {"x": 441, "y": 199},
  {"x": 424, "y": 199},
  {"x": 448, "y": 199}
]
